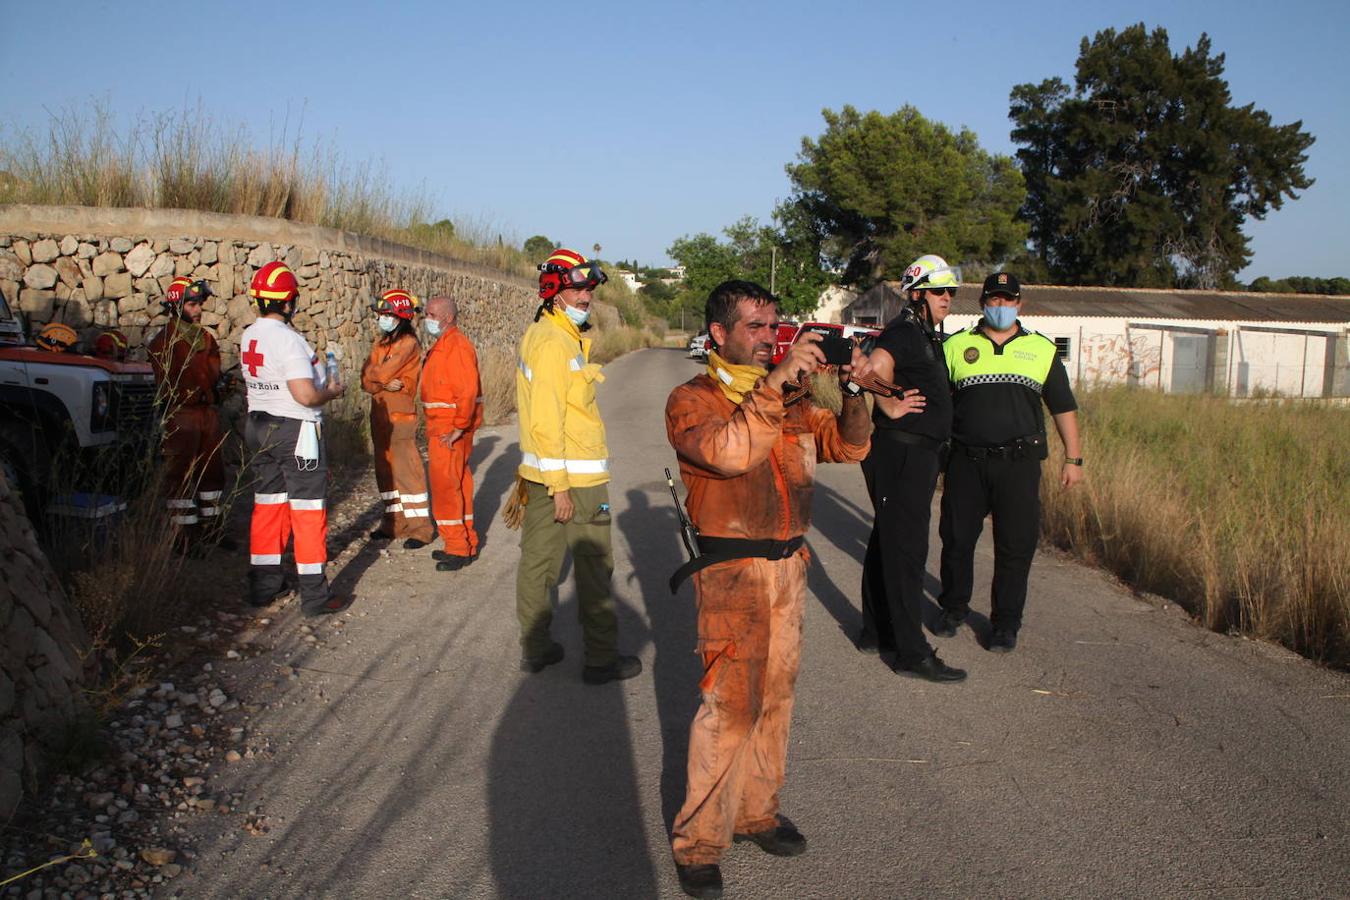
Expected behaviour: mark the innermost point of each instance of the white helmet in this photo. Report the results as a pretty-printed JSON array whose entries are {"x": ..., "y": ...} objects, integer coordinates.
[{"x": 930, "y": 272}]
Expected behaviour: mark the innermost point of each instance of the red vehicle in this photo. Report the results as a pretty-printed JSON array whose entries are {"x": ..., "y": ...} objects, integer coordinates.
[{"x": 788, "y": 332}]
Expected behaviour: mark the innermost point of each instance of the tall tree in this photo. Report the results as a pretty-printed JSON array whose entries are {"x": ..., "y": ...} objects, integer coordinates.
[
  {"x": 1145, "y": 172},
  {"x": 880, "y": 190},
  {"x": 539, "y": 247}
]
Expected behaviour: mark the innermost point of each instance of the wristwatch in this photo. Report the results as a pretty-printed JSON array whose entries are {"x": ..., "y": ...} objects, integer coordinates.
[{"x": 1073, "y": 460}]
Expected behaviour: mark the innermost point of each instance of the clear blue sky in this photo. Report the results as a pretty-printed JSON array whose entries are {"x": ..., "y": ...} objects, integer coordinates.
[{"x": 614, "y": 124}]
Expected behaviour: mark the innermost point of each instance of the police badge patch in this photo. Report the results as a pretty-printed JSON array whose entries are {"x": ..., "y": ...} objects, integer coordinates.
[{"x": 971, "y": 354}]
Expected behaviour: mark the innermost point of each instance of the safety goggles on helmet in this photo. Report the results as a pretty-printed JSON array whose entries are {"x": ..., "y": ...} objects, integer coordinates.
[
  {"x": 586, "y": 276},
  {"x": 197, "y": 292},
  {"x": 944, "y": 276}
]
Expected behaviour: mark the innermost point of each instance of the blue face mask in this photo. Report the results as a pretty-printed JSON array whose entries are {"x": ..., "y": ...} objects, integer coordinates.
[
  {"x": 1000, "y": 318},
  {"x": 387, "y": 323},
  {"x": 578, "y": 316},
  {"x": 433, "y": 326}
]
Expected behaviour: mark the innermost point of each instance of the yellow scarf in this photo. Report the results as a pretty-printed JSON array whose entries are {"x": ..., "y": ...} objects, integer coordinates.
[{"x": 735, "y": 381}]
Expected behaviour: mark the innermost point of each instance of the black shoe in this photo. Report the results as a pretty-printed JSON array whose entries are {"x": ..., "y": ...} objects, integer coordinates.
[
  {"x": 268, "y": 601},
  {"x": 622, "y": 667},
  {"x": 444, "y": 555},
  {"x": 932, "y": 669},
  {"x": 868, "y": 643},
  {"x": 784, "y": 840},
  {"x": 451, "y": 563},
  {"x": 1001, "y": 640},
  {"x": 378, "y": 535},
  {"x": 413, "y": 544},
  {"x": 701, "y": 880},
  {"x": 330, "y": 606},
  {"x": 949, "y": 623},
  {"x": 534, "y": 664}
]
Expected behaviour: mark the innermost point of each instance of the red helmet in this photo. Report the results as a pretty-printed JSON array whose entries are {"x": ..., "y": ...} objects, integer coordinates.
[
  {"x": 183, "y": 290},
  {"x": 274, "y": 283},
  {"x": 111, "y": 345},
  {"x": 567, "y": 269},
  {"x": 397, "y": 303},
  {"x": 174, "y": 293}
]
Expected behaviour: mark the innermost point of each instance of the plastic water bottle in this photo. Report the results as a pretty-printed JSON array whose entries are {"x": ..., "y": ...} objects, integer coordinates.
[{"x": 333, "y": 368}]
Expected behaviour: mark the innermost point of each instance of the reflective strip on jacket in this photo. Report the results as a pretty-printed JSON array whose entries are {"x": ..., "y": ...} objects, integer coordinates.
[
  {"x": 452, "y": 392},
  {"x": 562, "y": 439}
]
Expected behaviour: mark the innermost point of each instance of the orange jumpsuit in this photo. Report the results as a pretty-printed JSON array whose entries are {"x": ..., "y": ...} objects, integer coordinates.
[
  {"x": 749, "y": 471},
  {"x": 453, "y": 398},
  {"x": 186, "y": 362},
  {"x": 393, "y": 430}
]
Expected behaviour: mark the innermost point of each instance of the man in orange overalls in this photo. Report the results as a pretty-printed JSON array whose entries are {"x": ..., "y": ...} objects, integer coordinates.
[
  {"x": 186, "y": 362},
  {"x": 390, "y": 376},
  {"x": 748, "y": 463},
  {"x": 453, "y": 398}
]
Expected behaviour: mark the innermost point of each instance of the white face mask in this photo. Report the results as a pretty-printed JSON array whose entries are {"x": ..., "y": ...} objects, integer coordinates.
[
  {"x": 578, "y": 316},
  {"x": 387, "y": 323},
  {"x": 433, "y": 326}
]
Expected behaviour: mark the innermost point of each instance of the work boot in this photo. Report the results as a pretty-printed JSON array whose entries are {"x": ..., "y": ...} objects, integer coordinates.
[
  {"x": 378, "y": 535},
  {"x": 949, "y": 623},
  {"x": 413, "y": 544},
  {"x": 931, "y": 668},
  {"x": 701, "y": 880},
  {"x": 1002, "y": 640},
  {"x": 781, "y": 840},
  {"x": 623, "y": 667},
  {"x": 536, "y": 664},
  {"x": 268, "y": 601},
  {"x": 334, "y": 604},
  {"x": 452, "y": 563}
]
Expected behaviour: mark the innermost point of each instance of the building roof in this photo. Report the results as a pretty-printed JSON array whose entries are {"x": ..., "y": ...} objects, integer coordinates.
[{"x": 1131, "y": 303}]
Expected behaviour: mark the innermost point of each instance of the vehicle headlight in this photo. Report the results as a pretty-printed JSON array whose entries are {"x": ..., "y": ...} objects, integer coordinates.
[{"x": 100, "y": 416}]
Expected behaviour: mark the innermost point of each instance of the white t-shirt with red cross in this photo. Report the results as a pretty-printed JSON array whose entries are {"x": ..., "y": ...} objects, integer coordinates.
[{"x": 272, "y": 353}]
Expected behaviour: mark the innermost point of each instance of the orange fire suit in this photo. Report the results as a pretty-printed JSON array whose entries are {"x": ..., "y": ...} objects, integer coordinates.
[
  {"x": 452, "y": 396},
  {"x": 749, "y": 471},
  {"x": 393, "y": 430},
  {"x": 186, "y": 363}
]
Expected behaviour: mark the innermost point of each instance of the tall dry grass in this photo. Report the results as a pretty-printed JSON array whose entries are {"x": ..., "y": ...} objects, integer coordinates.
[
  {"x": 187, "y": 160},
  {"x": 1239, "y": 512}
]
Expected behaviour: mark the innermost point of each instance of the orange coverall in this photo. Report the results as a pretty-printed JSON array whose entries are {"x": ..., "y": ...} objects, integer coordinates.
[
  {"x": 452, "y": 396},
  {"x": 393, "y": 430},
  {"x": 750, "y": 472},
  {"x": 186, "y": 363}
]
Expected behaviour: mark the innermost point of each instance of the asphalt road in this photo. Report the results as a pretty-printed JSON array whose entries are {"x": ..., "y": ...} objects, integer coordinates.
[{"x": 1119, "y": 751}]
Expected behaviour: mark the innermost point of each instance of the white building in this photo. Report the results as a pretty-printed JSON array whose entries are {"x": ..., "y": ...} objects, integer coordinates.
[
  {"x": 1293, "y": 345},
  {"x": 628, "y": 278}
]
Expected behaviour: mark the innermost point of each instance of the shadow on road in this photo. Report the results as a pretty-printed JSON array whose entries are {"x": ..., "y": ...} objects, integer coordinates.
[{"x": 489, "y": 490}]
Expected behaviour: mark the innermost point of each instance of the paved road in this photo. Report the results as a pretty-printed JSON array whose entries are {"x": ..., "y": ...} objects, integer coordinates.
[{"x": 1119, "y": 751}]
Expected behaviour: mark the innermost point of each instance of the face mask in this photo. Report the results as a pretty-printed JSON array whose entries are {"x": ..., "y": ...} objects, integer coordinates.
[
  {"x": 387, "y": 323},
  {"x": 578, "y": 316},
  {"x": 433, "y": 327},
  {"x": 1001, "y": 318}
]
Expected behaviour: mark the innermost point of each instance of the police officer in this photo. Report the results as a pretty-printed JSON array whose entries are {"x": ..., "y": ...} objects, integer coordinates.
[
  {"x": 909, "y": 446},
  {"x": 1001, "y": 373}
]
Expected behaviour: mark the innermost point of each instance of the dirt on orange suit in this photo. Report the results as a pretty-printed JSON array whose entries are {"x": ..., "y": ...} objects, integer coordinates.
[
  {"x": 452, "y": 396},
  {"x": 399, "y": 472},
  {"x": 749, "y": 470},
  {"x": 186, "y": 363}
]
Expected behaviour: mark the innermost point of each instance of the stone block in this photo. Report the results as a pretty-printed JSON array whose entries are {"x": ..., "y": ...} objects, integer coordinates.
[
  {"x": 68, "y": 270},
  {"x": 105, "y": 313},
  {"x": 119, "y": 245},
  {"x": 132, "y": 303},
  {"x": 39, "y": 276},
  {"x": 162, "y": 266},
  {"x": 86, "y": 251},
  {"x": 180, "y": 246},
  {"x": 117, "y": 285},
  {"x": 24, "y": 254},
  {"x": 261, "y": 255},
  {"x": 108, "y": 264},
  {"x": 240, "y": 309},
  {"x": 139, "y": 259},
  {"x": 38, "y": 304},
  {"x": 62, "y": 292},
  {"x": 181, "y": 266},
  {"x": 209, "y": 253},
  {"x": 45, "y": 250},
  {"x": 93, "y": 287},
  {"x": 10, "y": 267},
  {"x": 69, "y": 244},
  {"x": 6, "y": 696},
  {"x": 147, "y": 286}
]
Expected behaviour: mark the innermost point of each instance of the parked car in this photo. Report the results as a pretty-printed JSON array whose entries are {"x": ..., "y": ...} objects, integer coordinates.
[
  {"x": 698, "y": 346},
  {"x": 786, "y": 338}
]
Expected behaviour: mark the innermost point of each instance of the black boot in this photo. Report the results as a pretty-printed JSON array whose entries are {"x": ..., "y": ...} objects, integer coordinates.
[
  {"x": 535, "y": 664},
  {"x": 701, "y": 880},
  {"x": 932, "y": 669},
  {"x": 622, "y": 667},
  {"x": 781, "y": 840}
]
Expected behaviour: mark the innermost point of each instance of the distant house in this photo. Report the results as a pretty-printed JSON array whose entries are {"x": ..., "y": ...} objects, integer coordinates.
[
  {"x": 675, "y": 276},
  {"x": 833, "y": 301},
  {"x": 628, "y": 278},
  {"x": 1293, "y": 345}
]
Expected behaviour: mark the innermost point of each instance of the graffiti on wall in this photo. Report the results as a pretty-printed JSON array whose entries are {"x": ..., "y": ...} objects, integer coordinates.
[{"x": 1134, "y": 359}]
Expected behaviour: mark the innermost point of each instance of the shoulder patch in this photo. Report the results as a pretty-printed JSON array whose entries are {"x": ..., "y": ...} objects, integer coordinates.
[{"x": 971, "y": 354}]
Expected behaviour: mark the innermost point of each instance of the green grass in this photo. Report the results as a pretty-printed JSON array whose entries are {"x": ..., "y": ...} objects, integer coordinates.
[{"x": 1238, "y": 511}]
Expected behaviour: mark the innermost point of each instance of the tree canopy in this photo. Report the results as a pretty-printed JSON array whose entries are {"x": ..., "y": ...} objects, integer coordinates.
[
  {"x": 1145, "y": 172},
  {"x": 539, "y": 247},
  {"x": 880, "y": 190}
]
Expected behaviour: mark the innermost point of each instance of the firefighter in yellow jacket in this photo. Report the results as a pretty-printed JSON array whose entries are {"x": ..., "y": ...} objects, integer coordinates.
[{"x": 564, "y": 472}]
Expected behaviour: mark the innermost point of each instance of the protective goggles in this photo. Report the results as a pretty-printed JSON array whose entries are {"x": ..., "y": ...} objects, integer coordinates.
[
  {"x": 937, "y": 279},
  {"x": 587, "y": 275},
  {"x": 196, "y": 292}
]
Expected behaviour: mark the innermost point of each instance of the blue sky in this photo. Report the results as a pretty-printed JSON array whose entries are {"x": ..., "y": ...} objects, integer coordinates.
[{"x": 629, "y": 127}]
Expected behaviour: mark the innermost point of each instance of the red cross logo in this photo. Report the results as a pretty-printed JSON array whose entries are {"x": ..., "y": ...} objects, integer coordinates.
[{"x": 252, "y": 358}]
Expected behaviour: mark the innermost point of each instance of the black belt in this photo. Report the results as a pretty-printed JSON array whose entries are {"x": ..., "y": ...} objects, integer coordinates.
[
  {"x": 714, "y": 550},
  {"x": 913, "y": 438},
  {"x": 1017, "y": 449}
]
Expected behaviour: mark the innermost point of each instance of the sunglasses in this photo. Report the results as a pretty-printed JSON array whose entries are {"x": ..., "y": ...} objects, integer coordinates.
[{"x": 950, "y": 291}]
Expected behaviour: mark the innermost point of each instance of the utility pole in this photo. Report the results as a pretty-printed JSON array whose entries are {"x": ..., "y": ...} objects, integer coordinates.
[{"x": 773, "y": 268}]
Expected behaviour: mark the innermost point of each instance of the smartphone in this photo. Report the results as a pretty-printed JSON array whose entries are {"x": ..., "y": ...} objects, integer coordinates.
[{"x": 838, "y": 350}]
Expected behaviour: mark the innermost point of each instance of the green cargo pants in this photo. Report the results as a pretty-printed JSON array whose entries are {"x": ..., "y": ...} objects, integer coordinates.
[{"x": 543, "y": 543}]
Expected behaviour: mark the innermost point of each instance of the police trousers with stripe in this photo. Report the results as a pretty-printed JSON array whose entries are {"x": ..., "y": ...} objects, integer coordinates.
[
  {"x": 288, "y": 503},
  {"x": 399, "y": 475}
]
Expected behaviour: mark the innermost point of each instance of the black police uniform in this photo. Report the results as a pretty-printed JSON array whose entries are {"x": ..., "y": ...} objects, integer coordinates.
[
  {"x": 901, "y": 471},
  {"x": 998, "y": 443}
]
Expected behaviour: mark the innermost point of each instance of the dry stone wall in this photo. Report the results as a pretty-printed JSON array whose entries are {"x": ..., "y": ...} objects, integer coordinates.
[
  {"x": 41, "y": 642},
  {"x": 108, "y": 268}
]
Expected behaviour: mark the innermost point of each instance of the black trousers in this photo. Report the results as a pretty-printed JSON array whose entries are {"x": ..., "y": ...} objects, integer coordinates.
[
  {"x": 1010, "y": 489},
  {"x": 900, "y": 480}
]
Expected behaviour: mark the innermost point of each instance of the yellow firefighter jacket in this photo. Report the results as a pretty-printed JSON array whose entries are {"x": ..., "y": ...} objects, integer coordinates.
[{"x": 562, "y": 440}]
